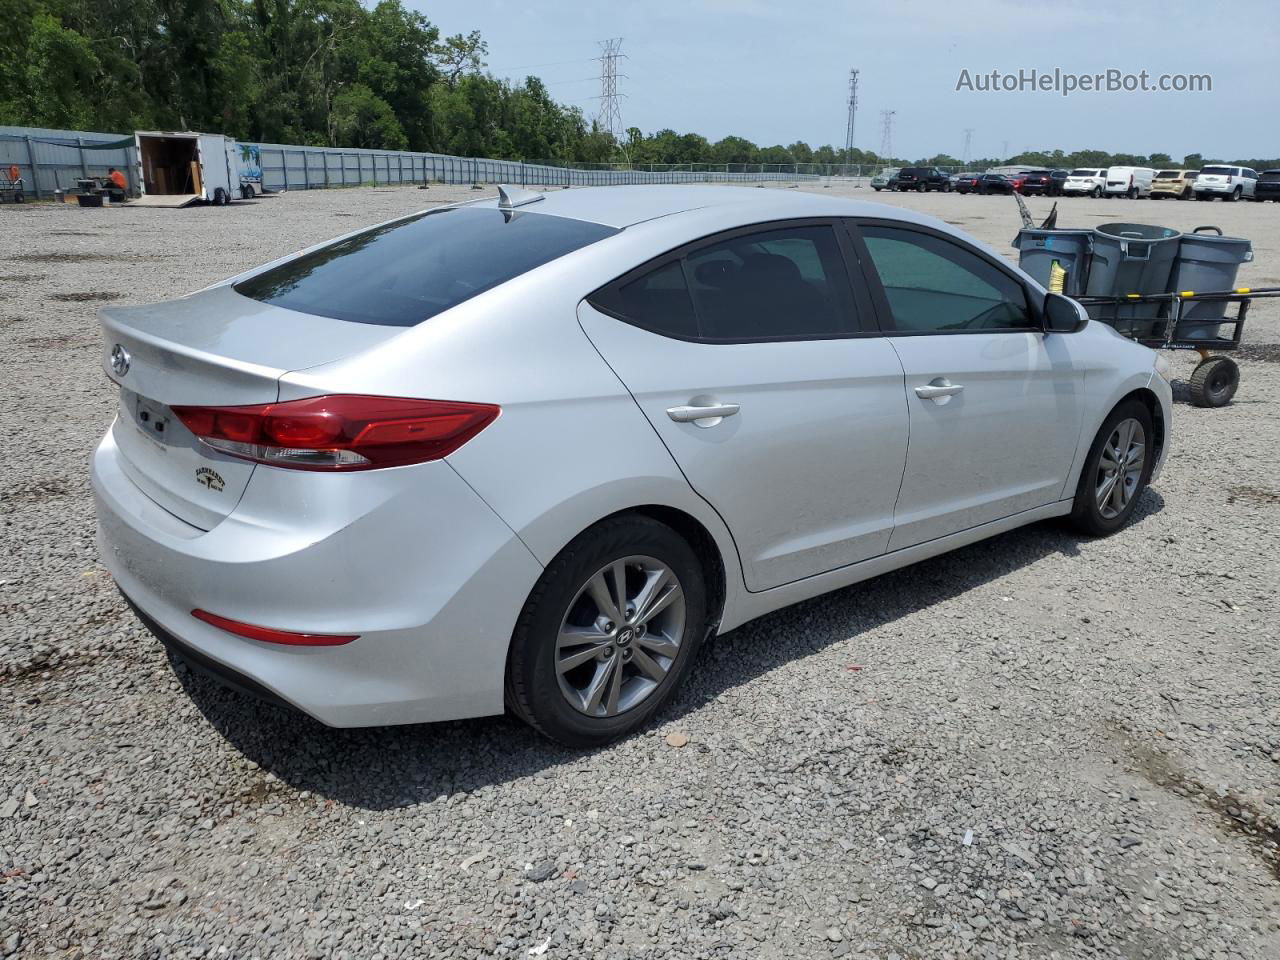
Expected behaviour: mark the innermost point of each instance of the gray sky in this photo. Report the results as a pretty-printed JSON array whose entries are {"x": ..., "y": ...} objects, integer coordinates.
[{"x": 777, "y": 73}]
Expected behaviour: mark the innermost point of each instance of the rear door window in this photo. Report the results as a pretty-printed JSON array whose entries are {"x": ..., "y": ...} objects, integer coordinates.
[
  {"x": 402, "y": 273},
  {"x": 788, "y": 283}
]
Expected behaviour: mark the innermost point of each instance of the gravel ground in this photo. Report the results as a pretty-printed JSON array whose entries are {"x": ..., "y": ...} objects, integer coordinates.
[{"x": 1035, "y": 747}]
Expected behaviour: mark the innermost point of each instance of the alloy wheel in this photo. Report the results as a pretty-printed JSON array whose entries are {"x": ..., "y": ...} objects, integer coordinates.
[
  {"x": 620, "y": 636},
  {"x": 1120, "y": 466}
]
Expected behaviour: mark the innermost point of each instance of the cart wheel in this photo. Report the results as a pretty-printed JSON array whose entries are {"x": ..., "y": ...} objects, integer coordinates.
[{"x": 1214, "y": 382}]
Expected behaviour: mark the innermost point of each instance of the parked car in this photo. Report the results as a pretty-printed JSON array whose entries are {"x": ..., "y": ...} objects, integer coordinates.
[
  {"x": 1037, "y": 182},
  {"x": 884, "y": 178},
  {"x": 1059, "y": 178},
  {"x": 1227, "y": 182},
  {"x": 996, "y": 183},
  {"x": 1268, "y": 186},
  {"x": 310, "y": 489},
  {"x": 1085, "y": 181},
  {"x": 922, "y": 179},
  {"x": 966, "y": 182},
  {"x": 1178, "y": 184},
  {"x": 1129, "y": 182}
]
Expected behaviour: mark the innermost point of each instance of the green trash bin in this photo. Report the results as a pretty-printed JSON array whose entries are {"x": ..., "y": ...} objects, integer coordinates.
[
  {"x": 1207, "y": 263},
  {"x": 1039, "y": 249},
  {"x": 1131, "y": 258}
]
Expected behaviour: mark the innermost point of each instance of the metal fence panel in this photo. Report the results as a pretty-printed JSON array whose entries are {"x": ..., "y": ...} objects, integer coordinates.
[{"x": 53, "y": 159}]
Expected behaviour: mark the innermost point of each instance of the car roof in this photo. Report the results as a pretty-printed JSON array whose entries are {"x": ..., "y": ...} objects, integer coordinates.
[{"x": 624, "y": 206}]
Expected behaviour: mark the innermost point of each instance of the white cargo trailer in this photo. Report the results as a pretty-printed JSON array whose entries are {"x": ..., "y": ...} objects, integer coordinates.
[{"x": 177, "y": 168}]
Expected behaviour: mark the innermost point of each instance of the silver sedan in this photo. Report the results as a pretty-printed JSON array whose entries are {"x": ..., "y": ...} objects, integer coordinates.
[{"x": 528, "y": 453}]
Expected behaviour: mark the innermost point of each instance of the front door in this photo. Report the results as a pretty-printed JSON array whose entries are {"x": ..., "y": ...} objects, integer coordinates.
[{"x": 995, "y": 404}]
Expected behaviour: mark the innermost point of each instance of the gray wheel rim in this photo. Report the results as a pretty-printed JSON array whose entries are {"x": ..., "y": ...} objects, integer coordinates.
[
  {"x": 1120, "y": 468},
  {"x": 620, "y": 636}
]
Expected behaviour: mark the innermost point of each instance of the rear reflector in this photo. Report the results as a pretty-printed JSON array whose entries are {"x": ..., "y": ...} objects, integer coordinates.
[
  {"x": 340, "y": 432},
  {"x": 268, "y": 635}
]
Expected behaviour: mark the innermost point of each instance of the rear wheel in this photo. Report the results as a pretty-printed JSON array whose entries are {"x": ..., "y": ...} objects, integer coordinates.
[
  {"x": 609, "y": 632},
  {"x": 1096, "y": 192},
  {"x": 1186, "y": 194},
  {"x": 1116, "y": 471},
  {"x": 219, "y": 197},
  {"x": 1233, "y": 196},
  {"x": 1214, "y": 382}
]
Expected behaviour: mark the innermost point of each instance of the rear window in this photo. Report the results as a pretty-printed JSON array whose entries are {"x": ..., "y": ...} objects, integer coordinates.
[
  {"x": 1270, "y": 176},
  {"x": 1168, "y": 175},
  {"x": 403, "y": 273},
  {"x": 1085, "y": 173},
  {"x": 914, "y": 172},
  {"x": 1222, "y": 171}
]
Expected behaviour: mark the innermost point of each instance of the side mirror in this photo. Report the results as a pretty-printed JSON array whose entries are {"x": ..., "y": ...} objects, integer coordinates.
[{"x": 1062, "y": 314}]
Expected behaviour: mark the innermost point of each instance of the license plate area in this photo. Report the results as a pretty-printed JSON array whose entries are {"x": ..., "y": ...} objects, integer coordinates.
[{"x": 154, "y": 420}]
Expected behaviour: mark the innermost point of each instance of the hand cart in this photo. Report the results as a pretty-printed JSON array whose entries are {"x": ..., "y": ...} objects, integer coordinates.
[{"x": 1215, "y": 379}]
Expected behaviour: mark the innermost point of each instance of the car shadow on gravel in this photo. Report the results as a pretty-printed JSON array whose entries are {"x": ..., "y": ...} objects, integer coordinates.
[{"x": 391, "y": 767}]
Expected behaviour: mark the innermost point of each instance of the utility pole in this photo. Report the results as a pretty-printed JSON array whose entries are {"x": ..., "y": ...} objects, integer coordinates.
[
  {"x": 968, "y": 142},
  {"x": 610, "y": 115},
  {"x": 1004, "y": 149},
  {"x": 853, "y": 112},
  {"x": 886, "y": 134}
]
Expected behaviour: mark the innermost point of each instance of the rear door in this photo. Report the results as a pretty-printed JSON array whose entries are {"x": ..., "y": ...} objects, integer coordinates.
[
  {"x": 751, "y": 356},
  {"x": 995, "y": 405}
]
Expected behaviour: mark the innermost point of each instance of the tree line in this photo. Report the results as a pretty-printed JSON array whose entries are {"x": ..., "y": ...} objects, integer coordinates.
[{"x": 338, "y": 73}]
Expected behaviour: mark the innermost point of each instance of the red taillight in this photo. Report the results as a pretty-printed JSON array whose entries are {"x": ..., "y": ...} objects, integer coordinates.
[
  {"x": 270, "y": 635},
  {"x": 340, "y": 432}
]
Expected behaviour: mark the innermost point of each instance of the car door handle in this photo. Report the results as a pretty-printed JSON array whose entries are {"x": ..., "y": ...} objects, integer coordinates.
[
  {"x": 938, "y": 387},
  {"x": 712, "y": 411}
]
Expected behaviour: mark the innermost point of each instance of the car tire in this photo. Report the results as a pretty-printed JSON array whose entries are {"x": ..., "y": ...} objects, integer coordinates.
[
  {"x": 1214, "y": 382},
  {"x": 1233, "y": 196},
  {"x": 1186, "y": 194},
  {"x": 558, "y": 702},
  {"x": 1096, "y": 192},
  {"x": 219, "y": 197},
  {"x": 1104, "y": 504}
]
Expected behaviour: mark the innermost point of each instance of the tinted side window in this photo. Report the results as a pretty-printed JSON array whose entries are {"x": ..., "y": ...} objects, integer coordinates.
[
  {"x": 777, "y": 284},
  {"x": 933, "y": 284},
  {"x": 657, "y": 300}
]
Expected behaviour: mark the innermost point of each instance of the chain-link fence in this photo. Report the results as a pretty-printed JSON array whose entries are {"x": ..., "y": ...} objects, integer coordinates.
[{"x": 50, "y": 160}]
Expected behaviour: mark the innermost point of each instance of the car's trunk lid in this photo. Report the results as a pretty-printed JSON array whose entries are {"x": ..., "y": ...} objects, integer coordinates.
[{"x": 214, "y": 348}]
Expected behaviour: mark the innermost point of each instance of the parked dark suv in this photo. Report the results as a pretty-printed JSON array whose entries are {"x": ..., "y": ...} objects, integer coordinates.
[
  {"x": 922, "y": 179},
  {"x": 1043, "y": 182},
  {"x": 1268, "y": 186}
]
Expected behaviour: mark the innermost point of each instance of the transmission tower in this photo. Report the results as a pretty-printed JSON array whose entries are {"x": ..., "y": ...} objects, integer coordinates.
[
  {"x": 968, "y": 142},
  {"x": 1004, "y": 149},
  {"x": 610, "y": 115},
  {"x": 853, "y": 112},
  {"x": 886, "y": 134}
]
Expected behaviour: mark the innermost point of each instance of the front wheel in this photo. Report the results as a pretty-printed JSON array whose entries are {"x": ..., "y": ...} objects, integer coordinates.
[
  {"x": 609, "y": 632},
  {"x": 1116, "y": 471}
]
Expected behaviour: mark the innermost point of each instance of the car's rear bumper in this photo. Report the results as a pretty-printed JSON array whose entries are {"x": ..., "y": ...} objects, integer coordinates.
[
  {"x": 1216, "y": 187},
  {"x": 409, "y": 559}
]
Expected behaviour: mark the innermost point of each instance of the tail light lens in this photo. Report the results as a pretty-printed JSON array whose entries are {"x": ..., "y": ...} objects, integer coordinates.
[{"x": 339, "y": 433}]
